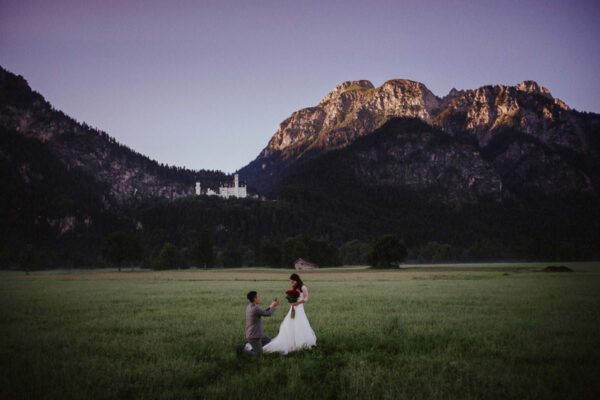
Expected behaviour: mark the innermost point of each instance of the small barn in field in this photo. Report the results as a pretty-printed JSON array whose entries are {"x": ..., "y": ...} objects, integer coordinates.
[{"x": 303, "y": 264}]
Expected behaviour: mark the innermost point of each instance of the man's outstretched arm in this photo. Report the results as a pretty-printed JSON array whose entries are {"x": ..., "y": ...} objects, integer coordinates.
[{"x": 267, "y": 311}]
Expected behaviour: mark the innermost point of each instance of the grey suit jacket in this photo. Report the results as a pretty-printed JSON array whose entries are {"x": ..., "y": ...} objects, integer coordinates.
[{"x": 253, "y": 325}]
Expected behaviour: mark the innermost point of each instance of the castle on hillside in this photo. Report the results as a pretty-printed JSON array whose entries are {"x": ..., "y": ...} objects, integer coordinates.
[{"x": 231, "y": 189}]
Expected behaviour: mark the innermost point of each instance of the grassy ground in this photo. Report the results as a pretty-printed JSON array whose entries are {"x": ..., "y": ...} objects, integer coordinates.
[{"x": 428, "y": 332}]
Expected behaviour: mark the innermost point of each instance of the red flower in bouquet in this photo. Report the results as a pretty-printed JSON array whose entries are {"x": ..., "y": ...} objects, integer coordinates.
[{"x": 292, "y": 297}]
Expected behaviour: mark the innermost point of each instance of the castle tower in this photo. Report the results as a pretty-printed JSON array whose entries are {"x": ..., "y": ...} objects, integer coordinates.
[{"x": 236, "y": 185}]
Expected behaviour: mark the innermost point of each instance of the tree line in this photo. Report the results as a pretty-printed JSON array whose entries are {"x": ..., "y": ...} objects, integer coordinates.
[{"x": 122, "y": 249}]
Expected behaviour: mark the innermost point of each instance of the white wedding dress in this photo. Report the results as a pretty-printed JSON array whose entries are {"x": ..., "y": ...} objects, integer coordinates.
[{"x": 294, "y": 334}]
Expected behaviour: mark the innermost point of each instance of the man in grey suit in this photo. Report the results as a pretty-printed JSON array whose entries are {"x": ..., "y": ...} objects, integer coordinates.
[{"x": 254, "y": 332}]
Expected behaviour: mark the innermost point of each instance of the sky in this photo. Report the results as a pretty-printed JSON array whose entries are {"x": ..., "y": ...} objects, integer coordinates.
[{"x": 204, "y": 84}]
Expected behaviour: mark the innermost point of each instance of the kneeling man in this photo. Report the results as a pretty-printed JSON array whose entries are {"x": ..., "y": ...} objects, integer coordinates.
[{"x": 254, "y": 333}]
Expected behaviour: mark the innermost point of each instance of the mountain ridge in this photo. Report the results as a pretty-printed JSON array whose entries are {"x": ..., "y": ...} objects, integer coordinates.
[
  {"x": 356, "y": 108},
  {"x": 127, "y": 172}
]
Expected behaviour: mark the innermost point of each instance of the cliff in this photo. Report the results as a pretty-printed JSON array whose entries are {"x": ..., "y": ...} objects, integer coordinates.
[{"x": 526, "y": 135}]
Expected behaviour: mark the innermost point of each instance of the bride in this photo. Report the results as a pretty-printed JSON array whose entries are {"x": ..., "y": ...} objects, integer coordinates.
[{"x": 294, "y": 333}]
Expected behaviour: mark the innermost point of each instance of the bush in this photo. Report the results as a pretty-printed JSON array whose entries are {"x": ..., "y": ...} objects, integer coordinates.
[
  {"x": 168, "y": 258},
  {"x": 120, "y": 247},
  {"x": 386, "y": 252}
]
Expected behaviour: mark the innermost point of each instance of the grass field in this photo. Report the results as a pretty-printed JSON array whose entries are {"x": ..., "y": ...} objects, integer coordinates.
[{"x": 495, "y": 331}]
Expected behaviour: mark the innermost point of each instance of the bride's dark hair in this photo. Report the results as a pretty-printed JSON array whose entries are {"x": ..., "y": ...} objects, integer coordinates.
[{"x": 299, "y": 283}]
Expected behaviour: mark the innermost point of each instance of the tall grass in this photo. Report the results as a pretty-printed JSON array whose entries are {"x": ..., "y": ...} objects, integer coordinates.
[{"x": 464, "y": 332}]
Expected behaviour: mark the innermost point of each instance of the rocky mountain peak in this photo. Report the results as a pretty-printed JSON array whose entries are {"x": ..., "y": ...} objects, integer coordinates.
[
  {"x": 354, "y": 85},
  {"x": 347, "y": 87},
  {"x": 414, "y": 94},
  {"x": 527, "y": 107},
  {"x": 356, "y": 108},
  {"x": 450, "y": 98},
  {"x": 352, "y": 109},
  {"x": 533, "y": 87}
]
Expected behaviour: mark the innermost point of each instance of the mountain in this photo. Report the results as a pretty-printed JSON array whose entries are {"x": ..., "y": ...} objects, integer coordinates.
[
  {"x": 498, "y": 172},
  {"x": 64, "y": 181},
  {"x": 408, "y": 153},
  {"x": 416, "y": 181},
  {"x": 535, "y": 142},
  {"x": 515, "y": 128},
  {"x": 126, "y": 172}
]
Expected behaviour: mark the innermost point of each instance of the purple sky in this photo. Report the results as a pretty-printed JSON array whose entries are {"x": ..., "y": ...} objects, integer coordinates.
[{"x": 205, "y": 84}]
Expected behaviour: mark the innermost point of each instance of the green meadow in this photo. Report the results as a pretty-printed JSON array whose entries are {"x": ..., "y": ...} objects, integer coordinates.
[{"x": 493, "y": 331}]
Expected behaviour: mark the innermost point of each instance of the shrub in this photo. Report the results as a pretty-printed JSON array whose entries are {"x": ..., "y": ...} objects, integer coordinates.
[{"x": 386, "y": 252}]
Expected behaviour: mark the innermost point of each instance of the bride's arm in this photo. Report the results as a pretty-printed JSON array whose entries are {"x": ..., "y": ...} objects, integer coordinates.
[{"x": 305, "y": 299}]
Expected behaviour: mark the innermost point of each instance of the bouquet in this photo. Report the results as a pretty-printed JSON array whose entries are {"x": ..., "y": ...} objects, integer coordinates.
[{"x": 292, "y": 297}]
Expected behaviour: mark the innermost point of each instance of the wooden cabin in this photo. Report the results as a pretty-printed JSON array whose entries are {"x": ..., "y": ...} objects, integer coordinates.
[{"x": 303, "y": 264}]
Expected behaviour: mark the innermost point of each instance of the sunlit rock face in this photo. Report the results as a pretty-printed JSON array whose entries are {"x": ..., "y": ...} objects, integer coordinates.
[
  {"x": 526, "y": 107},
  {"x": 522, "y": 131},
  {"x": 352, "y": 109}
]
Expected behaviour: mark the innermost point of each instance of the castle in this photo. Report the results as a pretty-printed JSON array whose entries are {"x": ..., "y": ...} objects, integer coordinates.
[{"x": 235, "y": 189}]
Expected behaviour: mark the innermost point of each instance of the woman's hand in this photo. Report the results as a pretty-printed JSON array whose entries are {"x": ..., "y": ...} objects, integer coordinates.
[{"x": 297, "y": 303}]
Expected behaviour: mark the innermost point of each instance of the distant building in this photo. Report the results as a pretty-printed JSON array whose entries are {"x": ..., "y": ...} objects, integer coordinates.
[
  {"x": 235, "y": 189},
  {"x": 231, "y": 189},
  {"x": 303, "y": 264}
]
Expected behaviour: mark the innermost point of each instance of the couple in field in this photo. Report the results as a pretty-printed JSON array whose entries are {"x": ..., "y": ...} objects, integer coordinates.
[{"x": 295, "y": 332}]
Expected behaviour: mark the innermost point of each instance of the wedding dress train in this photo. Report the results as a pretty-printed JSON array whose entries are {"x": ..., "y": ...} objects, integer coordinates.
[{"x": 294, "y": 334}]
